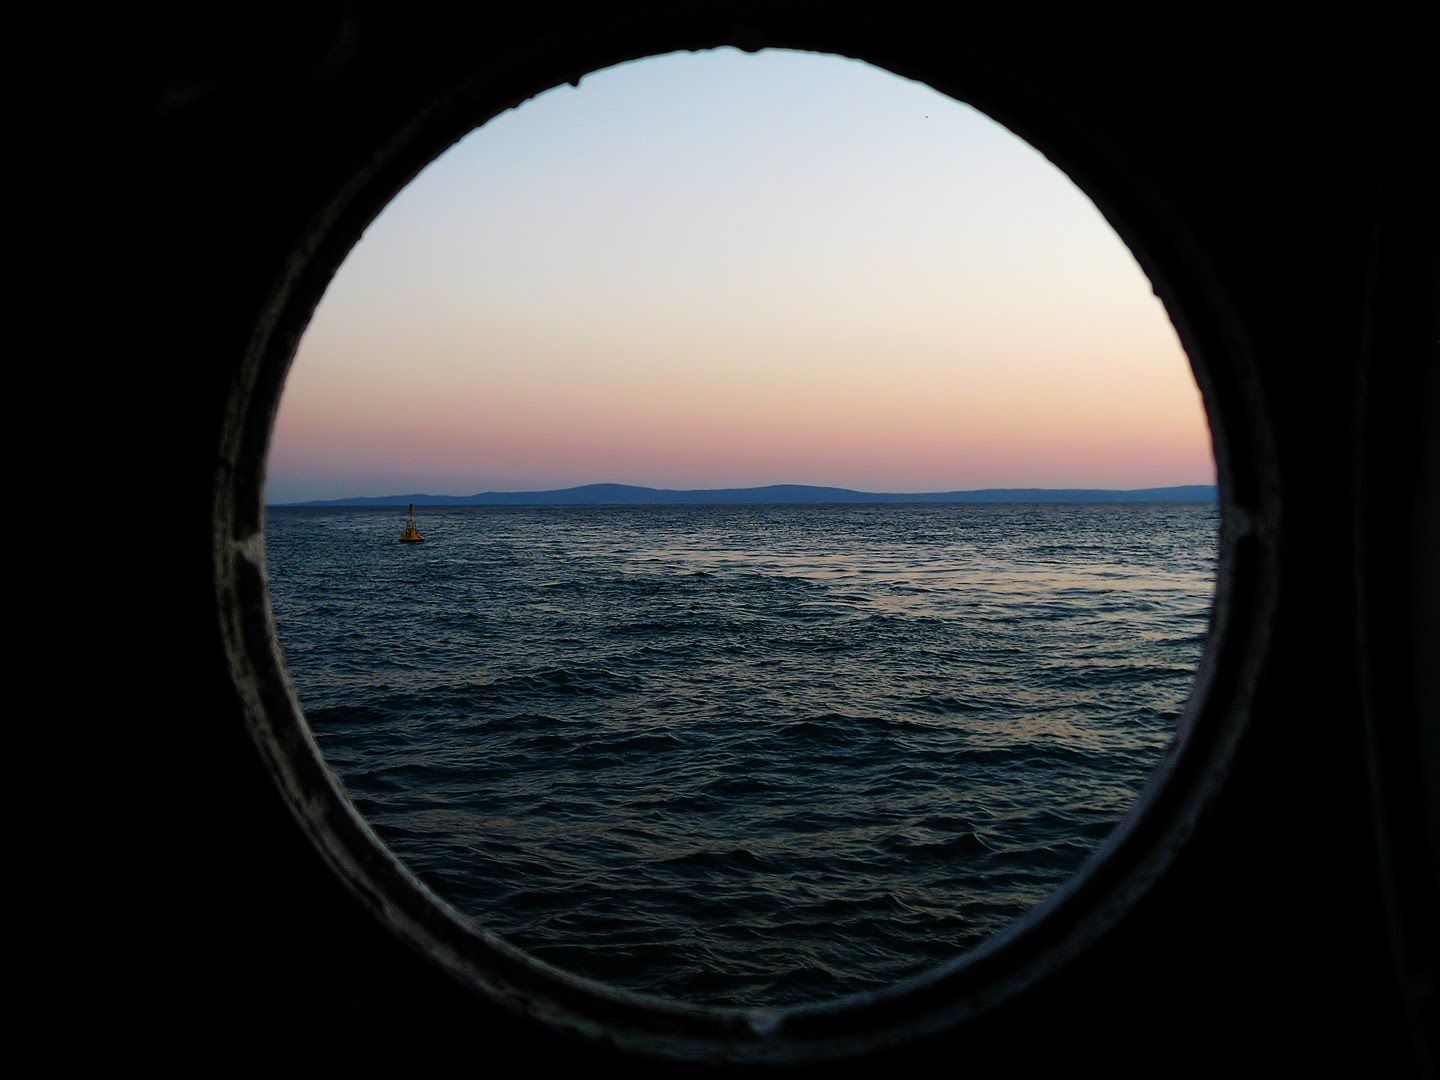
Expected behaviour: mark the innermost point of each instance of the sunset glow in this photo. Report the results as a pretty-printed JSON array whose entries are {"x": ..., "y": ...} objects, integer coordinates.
[{"x": 720, "y": 269}]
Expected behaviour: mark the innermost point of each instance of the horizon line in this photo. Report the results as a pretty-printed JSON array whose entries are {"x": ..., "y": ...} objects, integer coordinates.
[{"x": 850, "y": 494}]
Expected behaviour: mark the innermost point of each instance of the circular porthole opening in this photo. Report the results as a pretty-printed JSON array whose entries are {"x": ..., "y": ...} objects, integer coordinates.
[{"x": 819, "y": 539}]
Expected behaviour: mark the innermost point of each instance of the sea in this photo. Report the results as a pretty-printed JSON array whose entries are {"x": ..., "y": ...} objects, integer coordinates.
[{"x": 744, "y": 755}]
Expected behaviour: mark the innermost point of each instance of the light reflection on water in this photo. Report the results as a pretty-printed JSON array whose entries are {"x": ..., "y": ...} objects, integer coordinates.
[{"x": 749, "y": 755}]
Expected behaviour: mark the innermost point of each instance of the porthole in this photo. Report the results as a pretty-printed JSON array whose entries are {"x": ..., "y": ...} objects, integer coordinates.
[{"x": 942, "y": 995}]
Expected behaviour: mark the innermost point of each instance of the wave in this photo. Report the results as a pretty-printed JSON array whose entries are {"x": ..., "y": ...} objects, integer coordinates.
[{"x": 757, "y": 757}]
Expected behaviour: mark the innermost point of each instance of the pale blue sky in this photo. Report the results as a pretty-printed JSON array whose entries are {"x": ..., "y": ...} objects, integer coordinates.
[{"x": 723, "y": 269}]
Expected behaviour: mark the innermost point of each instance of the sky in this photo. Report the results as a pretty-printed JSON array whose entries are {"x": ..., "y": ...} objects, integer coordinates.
[{"x": 723, "y": 269}]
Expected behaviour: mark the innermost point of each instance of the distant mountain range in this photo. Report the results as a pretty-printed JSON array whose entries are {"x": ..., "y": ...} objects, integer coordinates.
[{"x": 630, "y": 495}]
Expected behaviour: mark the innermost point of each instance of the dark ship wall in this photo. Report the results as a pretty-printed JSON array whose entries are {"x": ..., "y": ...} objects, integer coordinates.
[{"x": 1278, "y": 182}]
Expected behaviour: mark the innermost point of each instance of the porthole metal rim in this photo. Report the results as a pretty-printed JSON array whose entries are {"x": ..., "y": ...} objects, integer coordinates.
[{"x": 1071, "y": 920}]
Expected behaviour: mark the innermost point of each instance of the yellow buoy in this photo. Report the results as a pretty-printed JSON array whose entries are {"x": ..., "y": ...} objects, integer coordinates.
[{"x": 411, "y": 535}]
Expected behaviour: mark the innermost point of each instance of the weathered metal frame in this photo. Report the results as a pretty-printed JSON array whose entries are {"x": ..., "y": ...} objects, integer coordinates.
[{"x": 1114, "y": 881}]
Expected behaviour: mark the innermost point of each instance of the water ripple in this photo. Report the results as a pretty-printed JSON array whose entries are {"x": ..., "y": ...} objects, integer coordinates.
[{"x": 745, "y": 755}]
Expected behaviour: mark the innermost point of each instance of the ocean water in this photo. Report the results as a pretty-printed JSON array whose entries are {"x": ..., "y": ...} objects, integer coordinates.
[{"x": 749, "y": 755}]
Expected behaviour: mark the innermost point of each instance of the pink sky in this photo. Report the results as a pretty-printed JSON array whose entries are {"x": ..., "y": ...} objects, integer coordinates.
[{"x": 723, "y": 270}]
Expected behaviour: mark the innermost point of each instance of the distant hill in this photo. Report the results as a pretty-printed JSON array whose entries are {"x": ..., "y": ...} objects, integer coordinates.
[{"x": 792, "y": 494}]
